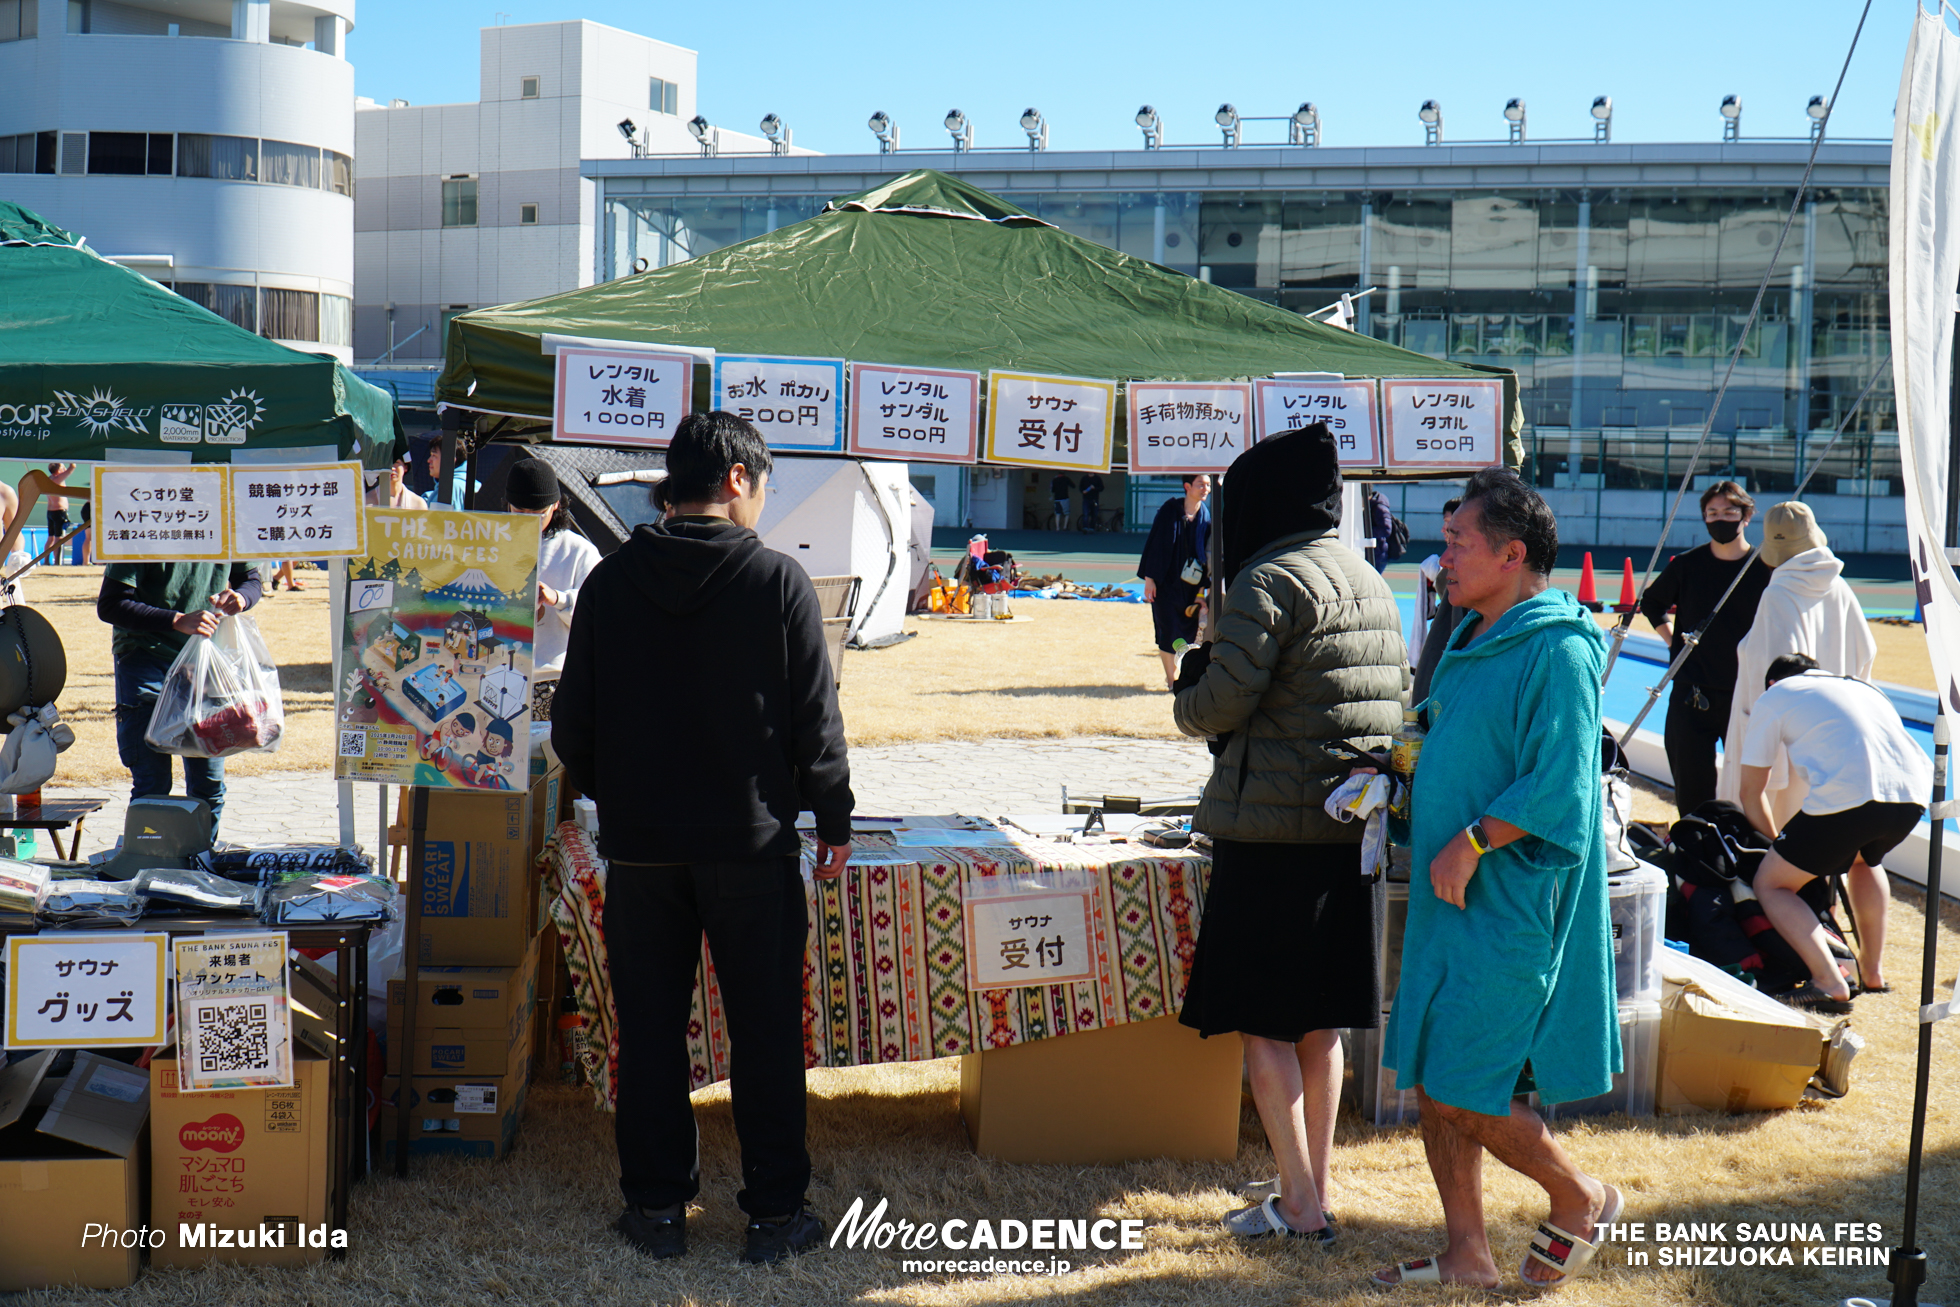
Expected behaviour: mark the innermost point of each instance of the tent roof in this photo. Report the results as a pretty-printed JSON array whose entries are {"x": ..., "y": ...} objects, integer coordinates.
[
  {"x": 925, "y": 270},
  {"x": 103, "y": 351}
]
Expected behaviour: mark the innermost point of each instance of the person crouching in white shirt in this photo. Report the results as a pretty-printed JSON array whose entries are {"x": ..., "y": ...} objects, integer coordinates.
[{"x": 1869, "y": 784}]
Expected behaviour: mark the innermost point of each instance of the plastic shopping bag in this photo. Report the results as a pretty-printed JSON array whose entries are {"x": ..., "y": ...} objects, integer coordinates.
[{"x": 220, "y": 697}]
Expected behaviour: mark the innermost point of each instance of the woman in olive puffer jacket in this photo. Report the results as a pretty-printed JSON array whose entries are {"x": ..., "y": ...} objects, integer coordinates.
[{"x": 1307, "y": 669}]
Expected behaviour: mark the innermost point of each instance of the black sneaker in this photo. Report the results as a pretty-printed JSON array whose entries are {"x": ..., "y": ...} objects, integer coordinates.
[
  {"x": 773, "y": 1241},
  {"x": 659, "y": 1237}
]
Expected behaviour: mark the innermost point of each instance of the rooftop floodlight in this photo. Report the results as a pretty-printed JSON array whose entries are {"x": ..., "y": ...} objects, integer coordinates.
[
  {"x": 1153, "y": 127},
  {"x": 1731, "y": 117},
  {"x": 1431, "y": 114},
  {"x": 630, "y": 130},
  {"x": 1036, "y": 127},
  {"x": 1303, "y": 128},
  {"x": 1819, "y": 109},
  {"x": 960, "y": 128},
  {"x": 779, "y": 135},
  {"x": 1227, "y": 119},
  {"x": 885, "y": 130},
  {"x": 1514, "y": 115},
  {"x": 1602, "y": 112},
  {"x": 707, "y": 133}
]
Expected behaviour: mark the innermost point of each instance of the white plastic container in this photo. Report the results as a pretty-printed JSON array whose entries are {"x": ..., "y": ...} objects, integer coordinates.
[
  {"x": 1633, "y": 1088},
  {"x": 1637, "y": 903}
]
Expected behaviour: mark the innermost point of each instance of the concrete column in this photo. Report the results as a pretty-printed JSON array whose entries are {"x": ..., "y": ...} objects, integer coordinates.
[
  {"x": 1364, "y": 313},
  {"x": 330, "y": 35},
  {"x": 251, "y": 20}
]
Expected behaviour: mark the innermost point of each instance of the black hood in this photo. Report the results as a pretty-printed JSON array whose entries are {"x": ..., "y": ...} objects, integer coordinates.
[
  {"x": 1288, "y": 484},
  {"x": 681, "y": 564}
]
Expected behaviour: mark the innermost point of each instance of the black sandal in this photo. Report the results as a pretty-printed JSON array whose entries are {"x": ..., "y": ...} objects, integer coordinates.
[{"x": 1809, "y": 999}]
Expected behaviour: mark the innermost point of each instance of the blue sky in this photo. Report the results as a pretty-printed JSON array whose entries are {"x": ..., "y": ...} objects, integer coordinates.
[{"x": 826, "y": 67}]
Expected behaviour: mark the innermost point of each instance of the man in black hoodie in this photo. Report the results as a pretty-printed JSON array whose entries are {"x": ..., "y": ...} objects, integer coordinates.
[{"x": 697, "y": 710}]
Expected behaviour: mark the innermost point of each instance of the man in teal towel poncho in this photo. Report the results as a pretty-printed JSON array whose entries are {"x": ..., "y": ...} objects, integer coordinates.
[{"x": 1507, "y": 968}]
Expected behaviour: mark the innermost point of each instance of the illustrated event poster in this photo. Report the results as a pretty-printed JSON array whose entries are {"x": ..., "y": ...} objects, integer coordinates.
[{"x": 436, "y": 674}]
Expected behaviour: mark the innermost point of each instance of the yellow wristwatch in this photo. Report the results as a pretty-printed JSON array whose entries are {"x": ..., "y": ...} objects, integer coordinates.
[{"x": 1479, "y": 842}]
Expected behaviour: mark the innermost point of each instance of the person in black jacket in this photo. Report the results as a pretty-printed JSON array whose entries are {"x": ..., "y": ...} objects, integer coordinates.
[
  {"x": 1692, "y": 584},
  {"x": 697, "y": 710}
]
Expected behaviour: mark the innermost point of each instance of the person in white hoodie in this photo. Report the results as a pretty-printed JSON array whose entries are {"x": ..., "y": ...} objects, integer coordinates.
[
  {"x": 564, "y": 559},
  {"x": 1808, "y": 609}
]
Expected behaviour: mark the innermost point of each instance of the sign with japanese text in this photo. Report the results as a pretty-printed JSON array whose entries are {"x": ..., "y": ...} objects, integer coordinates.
[
  {"x": 1443, "y": 424},
  {"x": 621, "y": 397},
  {"x": 436, "y": 653},
  {"x": 919, "y": 415},
  {"x": 1185, "y": 427},
  {"x": 234, "y": 1026},
  {"x": 102, "y": 990},
  {"x": 303, "y": 510},
  {"x": 1027, "y": 935},
  {"x": 161, "y": 513},
  {"x": 1347, "y": 407},
  {"x": 1060, "y": 422},
  {"x": 797, "y": 404}
]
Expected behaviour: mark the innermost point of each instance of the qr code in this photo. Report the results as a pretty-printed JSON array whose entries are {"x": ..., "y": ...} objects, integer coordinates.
[
  {"x": 233, "y": 1037},
  {"x": 353, "y": 744}
]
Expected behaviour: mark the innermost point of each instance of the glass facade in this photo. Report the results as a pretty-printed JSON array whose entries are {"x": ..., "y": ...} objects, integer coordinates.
[{"x": 1619, "y": 310}]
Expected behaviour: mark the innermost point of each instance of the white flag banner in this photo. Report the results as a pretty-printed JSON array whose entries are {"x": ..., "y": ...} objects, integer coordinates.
[{"x": 1925, "y": 269}]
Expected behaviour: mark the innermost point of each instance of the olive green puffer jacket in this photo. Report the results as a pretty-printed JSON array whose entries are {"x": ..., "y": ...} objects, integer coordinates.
[{"x": 1308, "y": 658}]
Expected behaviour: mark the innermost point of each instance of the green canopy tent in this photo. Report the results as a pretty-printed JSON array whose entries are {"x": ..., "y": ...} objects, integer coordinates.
[
  {"x": 94, "y": 357},
  {"x": 926, "y": 271}
]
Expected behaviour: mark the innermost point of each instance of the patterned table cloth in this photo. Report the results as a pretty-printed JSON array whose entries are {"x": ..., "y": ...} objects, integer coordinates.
[{"x": 885, "y": 979}]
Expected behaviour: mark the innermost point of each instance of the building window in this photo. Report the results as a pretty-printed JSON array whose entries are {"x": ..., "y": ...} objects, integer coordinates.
[
  {"x": 528, "y": 88},
  {"x": 663, "y": 96},
  {"x": 337, "y": 173},
  {"x": 337, "y": 321},
  {"x": 283, "y": 163},
  {"x": 118, "y": 154},
  {"x": 448, "y": 312},
  {"x": 162, "y": 154},
  {"x": 19, "y": 19},
  {"x": 527, "y": 215},
  {"x": 228, "y": 158},
  {"x": 77, "y": 17},
  {"x": 459, "y": 201},
  {"x": 74, "y": 153},
  {"x": 18, "y": 153},
  {"x": 43, "y": 153},
  {"x": 289, "y": 314},
  {"x": 237, "y": 305}
]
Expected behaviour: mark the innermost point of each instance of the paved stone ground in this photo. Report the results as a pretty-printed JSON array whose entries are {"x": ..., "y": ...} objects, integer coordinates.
[{"x": 985, "y": 776}]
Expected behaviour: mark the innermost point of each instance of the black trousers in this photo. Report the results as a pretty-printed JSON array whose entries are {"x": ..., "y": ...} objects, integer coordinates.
[
  {"x": 1692, "y": 734},
  {"x": 754, "y": 916}
]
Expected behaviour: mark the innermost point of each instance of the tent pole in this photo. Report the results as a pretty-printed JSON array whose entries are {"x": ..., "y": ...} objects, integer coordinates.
[
  {"x": 404, "y": 1057},
  {"x": 1907, "y": 1270},
  {"x": 337, "y": 607}
]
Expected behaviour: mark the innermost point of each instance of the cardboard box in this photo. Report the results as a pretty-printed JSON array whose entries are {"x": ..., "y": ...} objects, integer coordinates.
[
  {"x": 1123, "y": 1093},
  {"x": 482, "y": 895},
  {"x": 67, "y": 1164},
  {"x": 466, "y": 1018},
  {"x": 465, "y": 1116},
  {"x": 250, "y": 1161},
  {"x": 1726, "y": 1048}
]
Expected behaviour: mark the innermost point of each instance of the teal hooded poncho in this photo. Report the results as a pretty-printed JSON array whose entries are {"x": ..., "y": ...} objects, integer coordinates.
[{"x": 1524, "y": 972}]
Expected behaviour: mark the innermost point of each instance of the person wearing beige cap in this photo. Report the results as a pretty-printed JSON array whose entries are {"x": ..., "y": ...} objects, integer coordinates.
[{"x": 1808, "y": 609}]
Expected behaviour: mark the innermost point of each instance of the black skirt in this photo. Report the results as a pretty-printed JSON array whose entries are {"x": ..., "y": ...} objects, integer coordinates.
[{"x": 1288, "y": 943}]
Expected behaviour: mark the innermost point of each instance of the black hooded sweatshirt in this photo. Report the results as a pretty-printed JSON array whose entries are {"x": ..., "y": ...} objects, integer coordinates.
[{"x": 696, "y": 706}]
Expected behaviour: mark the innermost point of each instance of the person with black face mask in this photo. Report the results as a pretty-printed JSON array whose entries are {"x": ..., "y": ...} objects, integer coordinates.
[{"x": 1691, "y": 585}]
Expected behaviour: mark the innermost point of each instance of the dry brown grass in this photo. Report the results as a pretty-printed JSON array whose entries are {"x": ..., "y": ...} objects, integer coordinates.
[
  {"x": 1902, "y": 654},
  {"x": 1065, "y": 668},
  {"x": 533, "y": 1228}
]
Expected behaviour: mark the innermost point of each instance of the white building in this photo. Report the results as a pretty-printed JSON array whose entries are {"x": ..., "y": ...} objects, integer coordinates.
[
  {"x": 206, "y": 143},
  {"x": 462, "y": 206}
]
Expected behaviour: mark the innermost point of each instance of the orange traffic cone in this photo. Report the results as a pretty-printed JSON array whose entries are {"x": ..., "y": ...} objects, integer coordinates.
[
  {"x": 1588, "y": 591},
  {"x": 1626, "y": 604}
]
